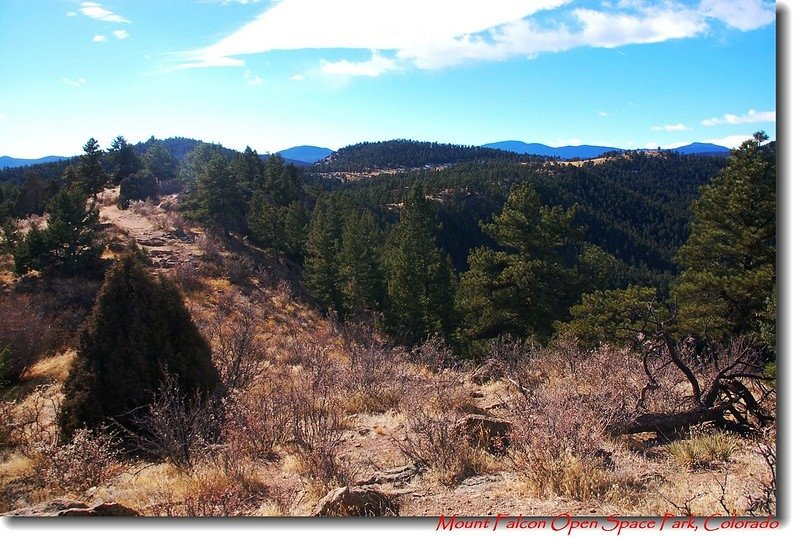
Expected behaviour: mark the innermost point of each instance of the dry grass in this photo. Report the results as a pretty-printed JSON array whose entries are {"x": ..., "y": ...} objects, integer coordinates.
[{"x": 704, "y": 450}]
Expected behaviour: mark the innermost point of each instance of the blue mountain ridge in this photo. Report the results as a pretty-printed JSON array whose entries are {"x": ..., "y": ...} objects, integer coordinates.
[{"x": 593, "y": 151}]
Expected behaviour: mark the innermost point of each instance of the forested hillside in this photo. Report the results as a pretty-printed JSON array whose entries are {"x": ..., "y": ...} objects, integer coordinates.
[{"x": 270, "y": 332}]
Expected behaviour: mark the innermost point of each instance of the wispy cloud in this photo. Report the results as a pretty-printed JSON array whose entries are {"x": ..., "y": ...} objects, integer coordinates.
[
  {"x": 228, "y": 2},
  {"x": 602, "y": 113},
  {"x": 121, "y": 34},
  {"x": 297, "y": 77},
  {"x": 740, "y": 14},
  {"x": 441, "y": 33},
  {"x": 671, "y": 128},
  {"x": 99, "y": 39},
  {"x": 252, "y": 79},
  {"x": 94, "y": 10},
  {"x": 375, "y": 66},
  {"x": 74, "y": 82},
  {"x": 732, "y": 141},
  {"x": 3, "y": 116},
  {"x": 752, "y": 116}
]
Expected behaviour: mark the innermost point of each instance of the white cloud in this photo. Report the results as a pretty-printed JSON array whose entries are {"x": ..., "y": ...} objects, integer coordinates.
[
  {"x": 252, "y": 79},
  {"x": 732, "y": 141},
  {"x": 602, "y": 113},
  {"x": 72, "y": 14},
  {"x": 297, "y": 77},
  {"x": 99, "y": 39},
  {"x": 94, "y": 10},
  {"x": 3, "y": 116},
  {"x": 375, "y": 66},
  {"x": 121, "y": 34},
  {"x": 228, "y": 2},
  {"x": 434, "y": 34},
  {"x": 740, "y": 14},
  {"x": 752, "y": 116},
  {"x": 671, "y": 128},
  {"x": 74, "y": 82}
]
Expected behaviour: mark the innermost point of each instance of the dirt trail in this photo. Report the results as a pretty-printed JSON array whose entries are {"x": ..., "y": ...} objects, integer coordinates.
[{"x": 166, "y": 238}]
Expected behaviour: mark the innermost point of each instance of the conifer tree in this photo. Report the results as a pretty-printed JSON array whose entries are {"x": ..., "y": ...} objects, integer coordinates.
[
  {"x": 360, "y": 277},
  {"x": 419, "y": 274},
  {"x": 323, "y": 248},
  {"x": 92, "y": 176},
  {"x": 531, "y": 283},
  {"x": 728, "y": 278},
  {"x": 71, "y": 243},
  {"x": 138, "y": 334},
  {"x": 159, "y": 162},
  {"x": 124, "y": 161}
]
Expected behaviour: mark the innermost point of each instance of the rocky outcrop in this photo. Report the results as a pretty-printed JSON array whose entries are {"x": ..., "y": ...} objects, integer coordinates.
[
  {"x": 69, "y": 507},
  {"x": 356, "y": 501},
  {"x": 485, "y": 432}
]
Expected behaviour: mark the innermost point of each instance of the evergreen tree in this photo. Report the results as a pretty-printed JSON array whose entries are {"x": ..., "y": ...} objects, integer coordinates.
[
  {"x": 362, "y": 288},
  {"x": 524, "y": 288},
  {"x": 71, "y": 243},
  {"x": 124, "y": 161},
  {"x": 159, "y": 161},
  {"x": 728, "y": 278},
  {"x": 137, "y": 187},
  {"x": 138, "y": 332},
  {"x": 419, "y": 274},
  {"x": 248, "y": 170},
  {"x": 90, "y": 169},
  {"x": 212, "y": 196},
  {"x": 323, "y": 248}
]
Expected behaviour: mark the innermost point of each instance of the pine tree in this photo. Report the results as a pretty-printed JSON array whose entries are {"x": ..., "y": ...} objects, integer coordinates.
[
  {"x": 248, "y": 170},
  {"x": 728, "y": 263},
  {"x": 90, "y": 169},
  {"x": 124, "y": 160},
  {"x": 70, "y": 244},
  {"x": 159, "y": 162},
  {"x": 138, "y": 333},
  {"x": 360, "y": 278},
  {"x": 140, "y": 186},
  {"x": 419, "y": 274},
  {"x": 323, "y": 248},
  {"x": 531, "y": 283},
  {"x": 213, "y": 197}
]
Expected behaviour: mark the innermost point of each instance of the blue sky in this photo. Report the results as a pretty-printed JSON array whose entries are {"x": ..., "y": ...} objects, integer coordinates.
[{"x": 274, "y": 74}]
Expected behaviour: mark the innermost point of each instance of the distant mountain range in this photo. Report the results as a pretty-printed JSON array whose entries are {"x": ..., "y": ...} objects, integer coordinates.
[
  {"x": 594, "y": 151},
  {"x": 305, "y": 153},
  {"x": 11, "y": 162}
]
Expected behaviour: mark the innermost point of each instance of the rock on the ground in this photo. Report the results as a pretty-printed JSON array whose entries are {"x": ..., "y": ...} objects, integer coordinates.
[
  {"x": 485, "y": 432},
  {"x": 356, "y": 501},
  {"x": 68, "y": 507},
  {"x": 489, "y": 370},
  {"x": 400, "y": 474}
]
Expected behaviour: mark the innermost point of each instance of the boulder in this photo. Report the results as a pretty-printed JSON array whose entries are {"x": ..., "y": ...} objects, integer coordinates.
[
  {"x": 69, "y": 507},
  {"x": 356, "y": 501},
  {"x": 485, "y": 432}
]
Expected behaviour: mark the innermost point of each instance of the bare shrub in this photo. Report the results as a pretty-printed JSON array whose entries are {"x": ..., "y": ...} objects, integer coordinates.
[
  {"x": 434, "y": 442},
  {"x": 36, "y": 432},
  {"x": 239, "y": 352},
  {"x": 107, "y": 198},
  {"x": 26, "y": 334},
  {"x": 210, "y": 248},
  {"x": 212, "y": 492},
  {"x": 173, "y": 223},
  {"x": 7, "y": 424},
  {"x": 188, "y": 276},
  {"x": 90, "y": 459},
  {"x": 176, "y": 427},
  {"x": 765, "y": 500},
  {"x": 435, "y": 354},
  {"x": 239, "y": 269},
  {"x": 556, "y": 443},
  {"x": 257, "y": 422},
  {"x": 147, "y": 209},
  {"x": 317, "y": 429},
  {"x": 372, "y": 378}
]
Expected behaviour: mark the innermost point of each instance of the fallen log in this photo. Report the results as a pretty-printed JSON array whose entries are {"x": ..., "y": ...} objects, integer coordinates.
[{"x": 666, "y": 423}]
